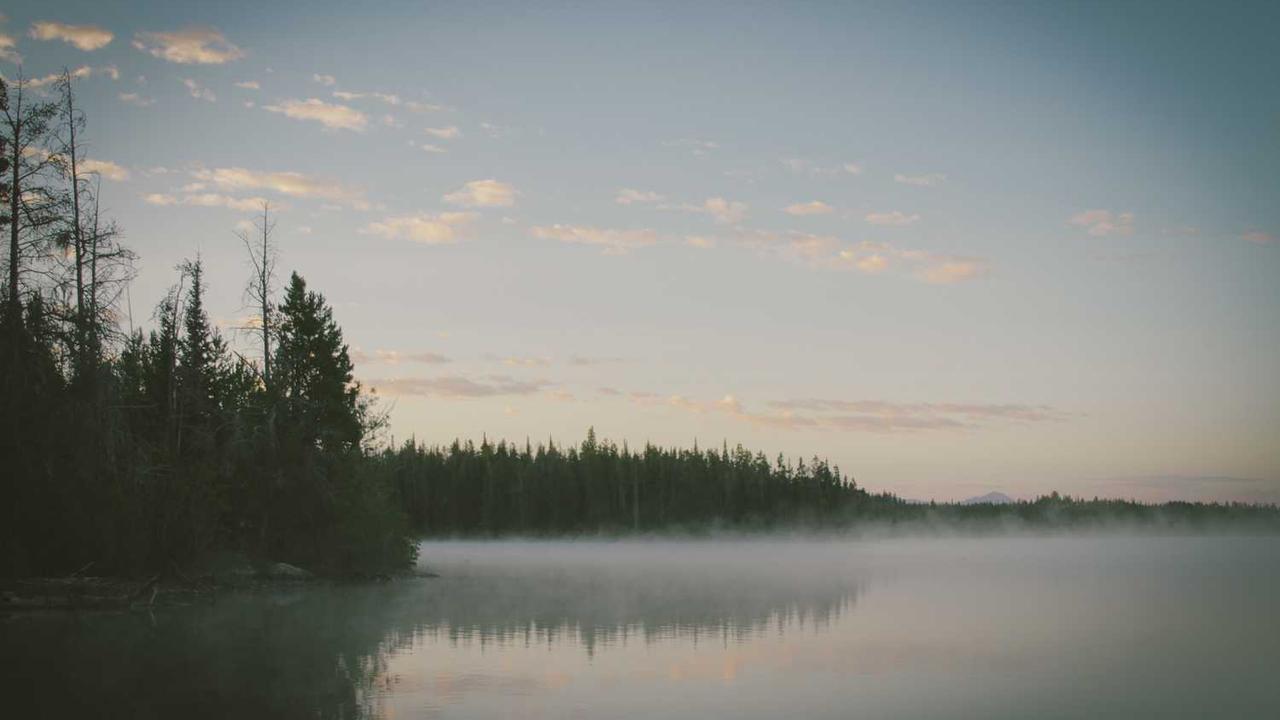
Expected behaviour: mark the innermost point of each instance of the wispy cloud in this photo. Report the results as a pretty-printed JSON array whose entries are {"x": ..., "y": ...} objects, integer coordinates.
[
  {"x": 105, "y": 168},
  {"x": 326, "y": 80},
  {"x": 814, "y": 207},
  {"x": 612, "y": 241},
  {"x": 925, "y": 180},
  {"x": 190, "y": 46},
  {"x": 1257, "y": 237},
  {"x": 82, "y": 37},
  {"x": 724, "y": 212},
  {"x": 395, "y": 357},
  {"x": 332, "y": 116},
  {"x": 136, "y": 99},
  {"x": 483, "y": 193},
  {"x": 198, "y": 91},
  {"x": 206, "y": 200},
  {"x": 891, "y": 218},
  {"x": 440, "y": 229},
  {"x": 1101, "y": 223},
  {"x": 444, "y": 133},
  {"x": 82, "y": 72},
  {"x": 249, "y": 85},
  {"x": 459, "y": 387},
  {"x": 8, "y": 45},
  {"x": 292, "y": 184},
  {"x": 630, "y": 196}
]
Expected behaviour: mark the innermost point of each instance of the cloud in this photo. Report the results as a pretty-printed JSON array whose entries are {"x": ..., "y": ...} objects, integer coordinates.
[
  {"x": 866, "y": 416},
  {"x": 949, "y": 271},
  {"x": 614, "y": 242},
  {"x": 441, "y": 229},
  {"x": 136, "y": 99},
  {"x": 388, "y": 98},
  {"x": 444, "y": 133},
  {"x": 831, "y": 253},
  {"x": 586, "y": 361},
  {"x": 105, "y": 168},
  {"x": 725, "y": 212},
  {"x": 292, "y": 184},
  {"x": 427, "y": 147},
  {"x": 926, "y": 180},
  {"x": 629, "y": 196},
  {"x": 801, "y": 166},
  {"x": 700, "y": 148},
  {"x": 199, "y": 92},
  {"x": 8, "y": 46},
  {"x": 190, "y": 46},
  {"x": 815, "y": 207},
  {"x": 326, "y": 80},
  {"x": 206, "y": 200},
  {"x": 84, "y": 71},
  {"x": 891, "y": 218},
  {"x": 333, "y": 117},
  {"x": 459, "y": 387},
  {"x": 1257, "y": 237},
  {"x": 1101, "y": 223},
  {"x": 516, "y": 361},
  {"x": 483, "y": 193},
  {"x": 249, "y": 85},
  {"x": 701, "y": 242},
  {"x": 83, "y": 37},
  {"x": 395, "y": 357}
]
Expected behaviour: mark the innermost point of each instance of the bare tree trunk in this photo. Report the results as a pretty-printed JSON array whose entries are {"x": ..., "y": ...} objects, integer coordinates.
[
  {"x": 15, "y": 193},
  {"x": 262, "y": 259}
]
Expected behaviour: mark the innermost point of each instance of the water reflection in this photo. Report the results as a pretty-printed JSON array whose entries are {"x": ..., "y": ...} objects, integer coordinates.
[{"x": 345, "y": 652}]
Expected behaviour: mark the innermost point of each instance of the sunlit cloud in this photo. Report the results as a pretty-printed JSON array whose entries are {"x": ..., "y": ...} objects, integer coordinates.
[
  {"x": 444, "y": 133},
  {"x": 8, "y": 46},
  {"x": 702, "y": 242},
  {"x": 1101, "y": 223},
  {"x": 80, "y": 73},
  {"x": 206, "y": 200},
  {"x": 630, "y": 196},
  {"x": 1257, "y": 237},
  {"x": 441, "y": 229},
  {"x": 891, "y": 218},
  {"x": 459, "y": 387},
  {"x": 815, "y": 207},
  {"x": 612, "y": 241},
  {"x": 105, "y": 168},
  {"x": 326, "y": 80},
  {"x": 292, "y": 184},
  {"x": 249, "y": 85},
  {"x": 526, "y": 361},
  {"x": 82, "y": 37},
  {"x": 333, "y": 117},
  {"x": 136, "y": 99},
  {"x": 724, "y": 212},
  {"x": 198, "y": 91},
  {"x": 190, "y": 46},
  {"x": 395, "y": 357},
  {"x": 926, "y": 180},
  {"x": 948, "y": 271},
  {"x": 852, "y": 168},
  {"x": 588, "y": 361},
  {"x": 483, "y": 193}
]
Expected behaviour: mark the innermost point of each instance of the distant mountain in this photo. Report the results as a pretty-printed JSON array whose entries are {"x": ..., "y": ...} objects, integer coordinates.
[{"x": 991, "y": 498}]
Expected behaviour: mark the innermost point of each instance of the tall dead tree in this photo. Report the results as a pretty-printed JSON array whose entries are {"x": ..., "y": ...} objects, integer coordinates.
[
  {"x": 33, "y": 205},
  {"x": 261, "y": 287}
]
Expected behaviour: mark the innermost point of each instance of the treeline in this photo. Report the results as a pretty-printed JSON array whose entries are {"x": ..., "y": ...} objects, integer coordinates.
[
  {"x": 598, "y": 487},
  {"x": 134, "y": 453},
  {"x": 496, "y": 489}
]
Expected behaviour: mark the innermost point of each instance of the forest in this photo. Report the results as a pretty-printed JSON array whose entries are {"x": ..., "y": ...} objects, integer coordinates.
[{"x": 132, "y": 452}]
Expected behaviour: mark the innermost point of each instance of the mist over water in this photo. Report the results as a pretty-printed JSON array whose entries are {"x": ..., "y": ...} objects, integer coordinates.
[{"x": 1068, "y": 626}]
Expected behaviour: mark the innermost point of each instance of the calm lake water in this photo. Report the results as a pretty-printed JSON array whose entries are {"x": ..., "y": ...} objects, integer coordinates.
[{"x": 1061, "y": 627}]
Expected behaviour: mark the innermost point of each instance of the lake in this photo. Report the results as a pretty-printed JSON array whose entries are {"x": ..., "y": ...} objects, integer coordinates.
[{"x": 1008, "y": 627}]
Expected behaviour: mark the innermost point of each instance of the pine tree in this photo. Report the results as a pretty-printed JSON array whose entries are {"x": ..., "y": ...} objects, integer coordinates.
[{"x": 314, "y": 372}]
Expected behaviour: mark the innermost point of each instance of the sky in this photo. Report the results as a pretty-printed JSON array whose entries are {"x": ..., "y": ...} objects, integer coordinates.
[{"x": 952, "y": 247}]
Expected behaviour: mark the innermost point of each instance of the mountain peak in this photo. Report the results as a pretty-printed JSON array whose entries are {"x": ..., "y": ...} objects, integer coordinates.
[{"x": 992, "y": 498}]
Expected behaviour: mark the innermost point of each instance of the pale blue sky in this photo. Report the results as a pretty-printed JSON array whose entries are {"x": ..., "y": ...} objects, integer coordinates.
[{"x": 954, "y": 247}]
